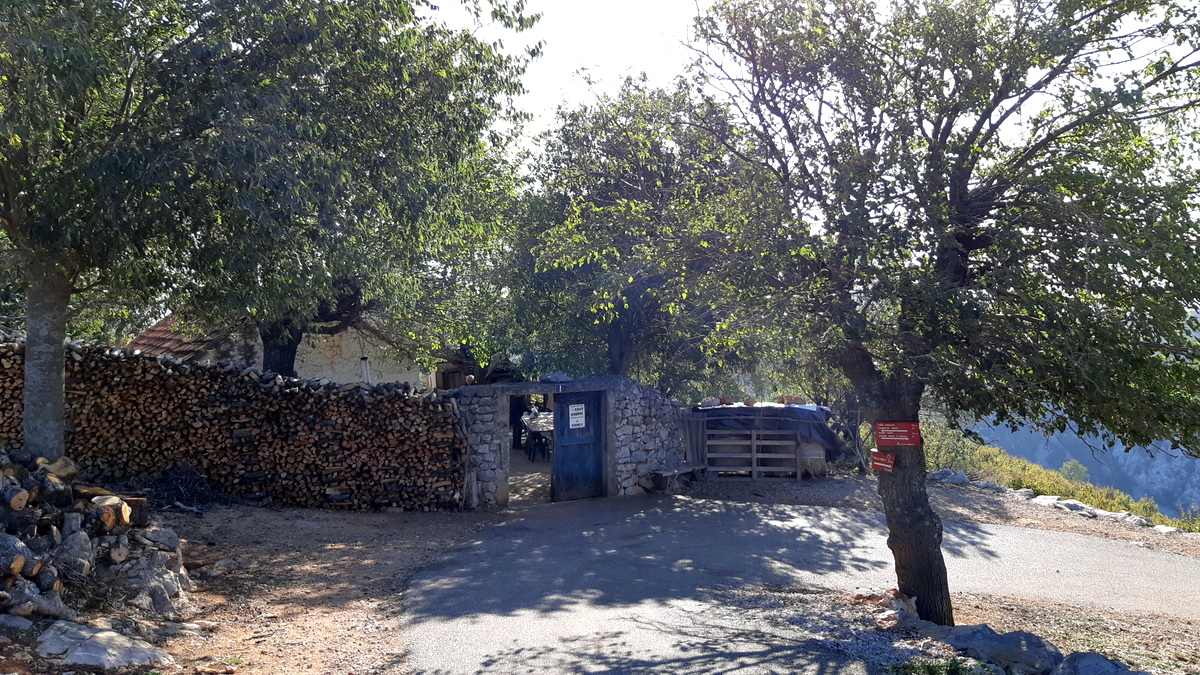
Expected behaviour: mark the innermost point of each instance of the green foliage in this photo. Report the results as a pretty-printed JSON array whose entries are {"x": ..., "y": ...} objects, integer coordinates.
[
  {"x": 240, "y": 157},
  {"x": 617, "y": 181},
  {"x": 949, "y": 448},
  {"x": 941, "y": 667},
  {"x": 1074, "y": 470},
  {"x": 989, "y": 202}
]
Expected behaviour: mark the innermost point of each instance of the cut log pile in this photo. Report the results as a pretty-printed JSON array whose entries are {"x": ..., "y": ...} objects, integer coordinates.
[
  {"x": 297, "y": 442},
  {"x": 59, "y": 536}
]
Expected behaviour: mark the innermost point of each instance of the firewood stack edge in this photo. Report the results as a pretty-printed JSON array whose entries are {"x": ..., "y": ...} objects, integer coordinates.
[{"x": 286, "y": 440}]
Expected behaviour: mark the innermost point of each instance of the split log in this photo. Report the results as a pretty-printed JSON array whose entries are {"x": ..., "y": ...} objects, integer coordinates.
[
  {"x": 14, "y": 497},
  {"x": 112, "y": 511}
]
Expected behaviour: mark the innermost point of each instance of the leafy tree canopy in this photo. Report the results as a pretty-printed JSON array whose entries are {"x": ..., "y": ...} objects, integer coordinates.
[
  {"x": 617, "y": 180},
  {"x": 996, "y": 200},
  {"x": 238, "y": 152},
  {"x": 990, "y": 200}
]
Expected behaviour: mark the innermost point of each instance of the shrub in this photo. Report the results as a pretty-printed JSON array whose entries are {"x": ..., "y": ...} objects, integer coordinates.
[{"x": 947, "y": 448}]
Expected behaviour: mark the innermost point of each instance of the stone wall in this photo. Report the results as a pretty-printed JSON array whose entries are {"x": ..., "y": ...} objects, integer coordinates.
[
  {"x": 300, "y": 442},
  {"x": 489, "y": 442},
  {"x": 643, "y": 434},
  {"x": 648, "y": 435}
]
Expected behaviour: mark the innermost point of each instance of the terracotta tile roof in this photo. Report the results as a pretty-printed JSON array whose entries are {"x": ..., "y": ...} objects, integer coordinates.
[{"x": 166, "y": 339}]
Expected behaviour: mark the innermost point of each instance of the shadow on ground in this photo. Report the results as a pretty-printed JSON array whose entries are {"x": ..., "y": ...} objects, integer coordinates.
[{"x": 622, "y": 552}]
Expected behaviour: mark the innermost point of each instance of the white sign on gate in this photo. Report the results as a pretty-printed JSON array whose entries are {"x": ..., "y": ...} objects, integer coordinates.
[{"x": 576, "y": 415}]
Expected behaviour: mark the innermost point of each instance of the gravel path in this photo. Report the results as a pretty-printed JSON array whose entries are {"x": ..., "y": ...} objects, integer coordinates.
[{"x": 308, "y": 591}]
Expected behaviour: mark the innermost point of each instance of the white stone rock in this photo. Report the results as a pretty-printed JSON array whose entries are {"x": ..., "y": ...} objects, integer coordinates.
[
  {"x": 1016, "y": 652},
  {"x": 1090, "y": 663},
  {"x": 1165, "y": 529},
  {"x": 1136, "y": 521},
  {"x": 1025, "y": 493},
  {"x": 1045, "y": 500},
  {"x": 1076, "y": 506},
  {"x": 96, "y": 647},
  {"x": 17, "y": 623}
]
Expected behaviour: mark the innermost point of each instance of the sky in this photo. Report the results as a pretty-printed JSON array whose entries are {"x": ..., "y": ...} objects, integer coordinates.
[{"x": 609, "y": 39}]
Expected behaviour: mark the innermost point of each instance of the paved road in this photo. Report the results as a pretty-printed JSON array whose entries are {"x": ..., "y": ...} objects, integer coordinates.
[{"x": 631, "y": 584}]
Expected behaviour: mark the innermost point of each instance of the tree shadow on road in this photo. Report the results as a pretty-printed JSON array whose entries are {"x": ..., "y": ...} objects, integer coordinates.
[{"x": 623, "y": 552}]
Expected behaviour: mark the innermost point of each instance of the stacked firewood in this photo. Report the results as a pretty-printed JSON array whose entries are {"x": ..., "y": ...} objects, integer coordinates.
[
  {"x": 59, "y": 535},
  {"x": 299, "y": 442}
]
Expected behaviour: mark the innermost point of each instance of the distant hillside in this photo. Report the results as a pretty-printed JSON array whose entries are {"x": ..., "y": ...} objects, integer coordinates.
[{"x": 1172, "y": 481}]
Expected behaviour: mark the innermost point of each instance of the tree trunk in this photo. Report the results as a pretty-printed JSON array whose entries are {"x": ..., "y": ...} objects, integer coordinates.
[
  {"x": 620, "y": 346},
  {"x": 915, "y": 532},
  {"x": 48, "y": 294},
  {"x": 281, "y": 341}
]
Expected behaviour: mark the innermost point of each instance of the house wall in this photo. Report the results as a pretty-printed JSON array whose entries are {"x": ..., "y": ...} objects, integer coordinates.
[{"x": 337, "y": 358}]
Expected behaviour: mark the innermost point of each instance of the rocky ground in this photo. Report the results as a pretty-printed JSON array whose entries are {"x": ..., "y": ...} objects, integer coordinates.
[
  {"x": 1146, "y": 641},
  {"x": 953, "y": 502},
  {"x": 304, "y": 591}
]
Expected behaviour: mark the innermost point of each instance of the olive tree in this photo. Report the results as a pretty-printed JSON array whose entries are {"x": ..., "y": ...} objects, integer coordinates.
[{"x": 990, "y": 202}]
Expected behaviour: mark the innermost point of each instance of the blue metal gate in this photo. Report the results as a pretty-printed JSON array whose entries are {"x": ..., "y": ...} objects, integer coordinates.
[{"x": 578, "y": 471}]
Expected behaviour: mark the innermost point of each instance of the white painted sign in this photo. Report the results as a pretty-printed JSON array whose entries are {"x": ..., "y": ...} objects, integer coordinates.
[{"x": 577, "y": 416}]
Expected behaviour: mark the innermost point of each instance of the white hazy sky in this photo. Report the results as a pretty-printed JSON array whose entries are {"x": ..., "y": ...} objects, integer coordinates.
[{"x": 607, "y": 38}]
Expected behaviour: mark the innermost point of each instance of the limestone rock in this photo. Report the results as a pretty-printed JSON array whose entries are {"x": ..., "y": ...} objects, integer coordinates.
[
  {"x": 72, "y": 523},
  {"x": 949, "y": 476},
  {"x": 15, "y": 623},
  {"x": 1091, "y": 663},
  {"x": 89, "y": 647},
  {"x": 1025, "y": 493},
  {"x": 75, "y": 555},
  {"x": 163, "y": 538},
  {"x": 1018, "y": 653},
  {"x": 1046, "y": 500},
  {"x": 1137, "y": 521},
  {"x": 1076, "y": 506},
  {"x": 1165, "y": 529}
]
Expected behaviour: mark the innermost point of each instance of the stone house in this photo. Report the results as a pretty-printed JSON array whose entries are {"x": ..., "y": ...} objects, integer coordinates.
[{"x": 347, "y": 357}]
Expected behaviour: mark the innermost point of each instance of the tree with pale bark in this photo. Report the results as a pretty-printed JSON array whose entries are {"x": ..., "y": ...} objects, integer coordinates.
[{"x": 990, "y": 203}]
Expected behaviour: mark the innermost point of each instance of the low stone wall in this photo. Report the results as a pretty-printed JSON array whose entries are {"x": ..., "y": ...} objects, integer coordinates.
[{"x": 306, "y": 443}]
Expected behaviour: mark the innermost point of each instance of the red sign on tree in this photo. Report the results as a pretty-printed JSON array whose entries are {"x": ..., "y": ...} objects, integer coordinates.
[
  {"x": 883, "y": 461},
  {"x": 895, "y": 434}
]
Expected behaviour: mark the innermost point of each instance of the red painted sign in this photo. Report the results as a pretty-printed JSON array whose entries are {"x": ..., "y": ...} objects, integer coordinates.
[
  {"x": 893, "y": 434},
  {"x": 882, "y": 461}
]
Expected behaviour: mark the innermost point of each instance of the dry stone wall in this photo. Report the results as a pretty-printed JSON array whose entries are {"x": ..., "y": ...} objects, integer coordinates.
[
  {"x": 643, "y": 433},
  {"x": 298, "y": 442},
  {"x": 648, "y": 433},
  {"x": 489, "y": 442}
]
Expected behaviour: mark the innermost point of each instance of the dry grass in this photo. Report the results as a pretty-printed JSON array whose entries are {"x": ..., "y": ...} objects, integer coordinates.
[{"x": 1145, "y": 641}]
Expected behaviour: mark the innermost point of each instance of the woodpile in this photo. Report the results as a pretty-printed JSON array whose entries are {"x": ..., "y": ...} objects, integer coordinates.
[
  {"x": 297, "y": 442},
  {"x": 58, "y": 535}
]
